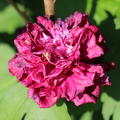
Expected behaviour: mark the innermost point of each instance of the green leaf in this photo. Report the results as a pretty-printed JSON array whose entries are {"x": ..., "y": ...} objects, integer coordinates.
[
  {"x": 10, "y": 20},
  {"x": 6, "y": 52},
  {"x": 109, "y": 105},
  {"x": 117, "y": 23},
  {"x": 5, "y": 79},
  {"x": 87, "y": 115},
  {"x": 14, "y": 101},
  {"x": 116, "y": 115},
  {"x": 16, "y": 104},
  {"x": 89, "y": 6}
]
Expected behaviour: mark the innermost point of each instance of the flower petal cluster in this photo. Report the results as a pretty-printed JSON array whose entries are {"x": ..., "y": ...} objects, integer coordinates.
[{"x": 60, "y": 60}]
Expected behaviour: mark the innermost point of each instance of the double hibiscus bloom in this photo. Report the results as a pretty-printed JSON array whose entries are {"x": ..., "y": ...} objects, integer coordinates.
[{"x": 60, "y": 60}]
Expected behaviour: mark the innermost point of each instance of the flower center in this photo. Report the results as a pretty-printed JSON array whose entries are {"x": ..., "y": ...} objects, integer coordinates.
[
  {"x": 47, "y": 56},
  {"x": 27, "y": 41}
]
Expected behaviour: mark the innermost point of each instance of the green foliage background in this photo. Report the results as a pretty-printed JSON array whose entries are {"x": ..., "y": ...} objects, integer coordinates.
[{"x": 14, "y": 102}]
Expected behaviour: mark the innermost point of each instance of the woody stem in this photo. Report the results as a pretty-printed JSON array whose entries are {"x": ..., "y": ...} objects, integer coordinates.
[{"x": 49, "y": 6}]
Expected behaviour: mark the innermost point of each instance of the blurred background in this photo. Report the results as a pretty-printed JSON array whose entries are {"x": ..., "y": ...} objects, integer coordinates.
[{"x": 14, "y": 103}]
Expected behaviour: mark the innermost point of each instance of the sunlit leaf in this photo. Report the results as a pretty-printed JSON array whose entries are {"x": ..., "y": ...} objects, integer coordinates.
[
  {"x": 116, "y": 115},
  {"x": 10, "y": 20},
  {"x": 117, "y": 23},
  {"x": 87, "y": 115},
  {"x": 109, "y": 105}
]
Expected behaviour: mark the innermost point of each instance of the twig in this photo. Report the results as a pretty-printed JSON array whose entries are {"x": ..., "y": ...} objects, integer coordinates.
[
  {"x": 24, "y": 16},
  {"x": 49, "y": 7}
]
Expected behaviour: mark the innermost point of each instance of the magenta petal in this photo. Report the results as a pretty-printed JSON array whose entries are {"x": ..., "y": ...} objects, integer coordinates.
[
  {"x": 71, "y": 88},
  {"x": 85, "y": 99},
  {"x": 38, "y": 73},
  {"x": 45, "y": 97},
  {"x": 77, "y": 19},
  {"x": 23, "y": 43},
  {"x": 45, "y": 22},
  {"x": 17, "y": 66},
  {"x": 90, "y": 97}
]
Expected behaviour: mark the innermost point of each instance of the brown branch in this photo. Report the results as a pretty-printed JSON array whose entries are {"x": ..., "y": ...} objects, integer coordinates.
[
  {"x": 24, "y": 16},
  {"x": 49, "y": 6}
]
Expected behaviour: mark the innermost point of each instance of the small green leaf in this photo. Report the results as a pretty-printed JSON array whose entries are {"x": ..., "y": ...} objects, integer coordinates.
[
  {"x": 87, "y": 115},
  {"x": 109, "y": 105},
  {"x": 117, "y": 23},
  {"x": 116, "y": 115},
  {"x": 6, "y": 52}
]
